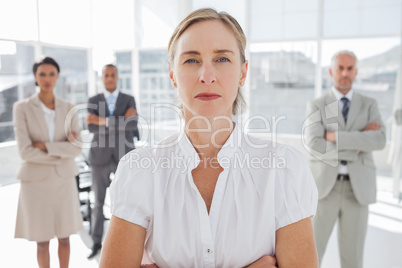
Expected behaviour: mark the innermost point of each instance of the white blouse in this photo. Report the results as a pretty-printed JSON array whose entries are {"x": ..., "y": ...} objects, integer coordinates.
[
  {"x": 264, "y": 186},
  {"x": 49, "y": 118}
]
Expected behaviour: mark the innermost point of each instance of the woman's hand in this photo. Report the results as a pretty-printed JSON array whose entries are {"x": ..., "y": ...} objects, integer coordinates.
[
  {"x": 40, "y": 145},
  {"x": 264, "y": 262}
]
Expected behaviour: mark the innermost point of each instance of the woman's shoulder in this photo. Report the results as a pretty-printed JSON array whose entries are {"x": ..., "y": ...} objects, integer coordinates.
[
  {"x": 25, "y": 102},
  {"x": 20, "y": 104}
]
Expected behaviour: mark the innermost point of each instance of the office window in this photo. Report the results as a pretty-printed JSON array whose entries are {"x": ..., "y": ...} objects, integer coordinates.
[
  {"x": 156, "y": 21},
  {"x": 281, "y": 83},
  {"x": 128, "y": 83},
  {"x": 279, "y": 20},
  {"x": 361, "y": 18},
  {"x": 157, "y": 106},
  {"x": 65, "y": 22},
  {"x": 18, "y": 20},
  {"x": 16, "y": 82},
  {"x": 113, "y": 24}
]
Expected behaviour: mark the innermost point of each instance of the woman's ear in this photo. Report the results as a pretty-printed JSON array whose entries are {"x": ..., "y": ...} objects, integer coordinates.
[
  {"x": 171, "y": 76},
  {"x": 243, "y": 75}
]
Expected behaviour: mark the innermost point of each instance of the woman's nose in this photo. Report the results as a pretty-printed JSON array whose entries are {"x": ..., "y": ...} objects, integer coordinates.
[{"x": 207, "y": 76}]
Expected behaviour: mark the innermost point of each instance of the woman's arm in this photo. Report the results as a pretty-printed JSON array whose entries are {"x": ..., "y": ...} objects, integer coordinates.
[
  {"x": 124, "y": 244},
  {"x": 295, "y": 245},
  {"x": 27, "y": 151},
  {"x": 71, "y": 147}
]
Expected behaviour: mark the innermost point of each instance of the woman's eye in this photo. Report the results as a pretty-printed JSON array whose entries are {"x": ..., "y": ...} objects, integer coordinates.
[
  {"x": 223, "y": 59},
  {"x": 191, "y": 61}
]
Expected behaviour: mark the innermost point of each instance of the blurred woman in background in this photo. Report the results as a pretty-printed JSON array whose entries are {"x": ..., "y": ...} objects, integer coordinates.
[{"x": 48, "y": 203}]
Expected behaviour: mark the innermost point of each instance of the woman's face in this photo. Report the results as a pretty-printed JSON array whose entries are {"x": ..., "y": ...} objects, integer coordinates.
[
  {"x": 207, "y": 69},
  {"x": 46, "y": 77}
]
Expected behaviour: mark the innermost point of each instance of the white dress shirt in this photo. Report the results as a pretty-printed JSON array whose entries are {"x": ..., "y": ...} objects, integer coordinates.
[
  {"x": 107, "y": 94},
  {"x": 342, "y": 169},
  {"x": 259, "y": 191},
  {"x": 49, "y": 119}
]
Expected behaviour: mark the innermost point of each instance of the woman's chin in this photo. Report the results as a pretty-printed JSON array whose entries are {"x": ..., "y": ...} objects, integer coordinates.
[
  {"x": 46, "y": 89},
  {"x": 211, "y": 113}
]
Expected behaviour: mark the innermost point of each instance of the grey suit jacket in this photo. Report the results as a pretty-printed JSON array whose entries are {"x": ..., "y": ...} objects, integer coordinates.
[
  {"x": 112, "y": 142},
  {"x": 353, "y": 145}
]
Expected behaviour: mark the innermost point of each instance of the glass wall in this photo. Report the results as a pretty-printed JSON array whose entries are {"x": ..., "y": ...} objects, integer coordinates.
[
  {"x": 158, "y": 97},
  {"x": 19, "y": 20},
  {"x": 16, "y": 82},
  {"x": 281, "y": 82},
  {"x": 290, "y": 44}
]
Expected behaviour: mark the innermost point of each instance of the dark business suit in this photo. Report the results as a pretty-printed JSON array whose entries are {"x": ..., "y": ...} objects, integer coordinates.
[{"x": 109, "y": 144}]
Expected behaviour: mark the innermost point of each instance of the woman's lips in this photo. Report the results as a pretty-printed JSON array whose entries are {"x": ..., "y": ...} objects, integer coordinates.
[{"x": 207, "y": 96}]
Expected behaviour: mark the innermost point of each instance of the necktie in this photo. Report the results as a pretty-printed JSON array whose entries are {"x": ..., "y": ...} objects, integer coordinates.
[
  {"x": 110, "y": 104},
  {"x": 345, "y": 111}
]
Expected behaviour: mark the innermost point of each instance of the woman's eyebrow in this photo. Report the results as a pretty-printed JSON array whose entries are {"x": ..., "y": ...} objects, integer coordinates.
[
  {"x": 223, "y": 51},
  {"x": 190, "y": 52},
  {"x": 216, "y": 51}
]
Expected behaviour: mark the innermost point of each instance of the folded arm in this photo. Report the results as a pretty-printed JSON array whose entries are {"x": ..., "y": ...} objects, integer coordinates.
[
  {"x": 365, "y": 141},
  {"x": 29, "y": 151},
  {"x": 317, "y": 143},
  {"x": 123, "y": 245},
  {"x": 371, "y": 138},
  {"x": 295, "y": 245},
  {"x": 71, "y": 147},
  {"x": 97, "y": 124}
]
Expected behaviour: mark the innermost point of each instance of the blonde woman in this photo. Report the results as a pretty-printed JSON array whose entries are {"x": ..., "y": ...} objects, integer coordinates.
[{"x": 210, "y": 203}]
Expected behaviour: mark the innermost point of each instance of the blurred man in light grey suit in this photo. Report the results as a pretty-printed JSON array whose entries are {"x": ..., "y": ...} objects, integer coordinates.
[
  {"x": 344, "y": 128},
  {"x": 112, "y": 119}
]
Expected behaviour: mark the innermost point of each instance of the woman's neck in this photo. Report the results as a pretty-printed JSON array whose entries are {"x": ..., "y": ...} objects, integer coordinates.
[
  {"x": 47, "y": 98},
  {"x": 208, "y": 134}
]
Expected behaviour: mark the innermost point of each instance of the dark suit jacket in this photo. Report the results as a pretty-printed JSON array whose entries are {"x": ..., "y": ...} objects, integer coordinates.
[{"x": 114, "y": 141}]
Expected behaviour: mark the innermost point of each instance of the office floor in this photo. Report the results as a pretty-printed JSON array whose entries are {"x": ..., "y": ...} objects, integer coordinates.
[{"x": 383, "y": 243}]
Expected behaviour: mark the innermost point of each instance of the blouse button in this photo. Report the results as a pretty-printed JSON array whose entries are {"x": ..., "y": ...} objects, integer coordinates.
[{"x": 209, "y": 251}]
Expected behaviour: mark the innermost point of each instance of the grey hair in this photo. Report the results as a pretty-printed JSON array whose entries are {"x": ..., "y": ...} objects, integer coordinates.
[{"x": 342, "y": 52}]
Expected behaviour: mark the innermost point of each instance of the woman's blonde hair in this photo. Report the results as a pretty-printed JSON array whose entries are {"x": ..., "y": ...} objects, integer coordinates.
[{"x": 206, "y": 14}]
